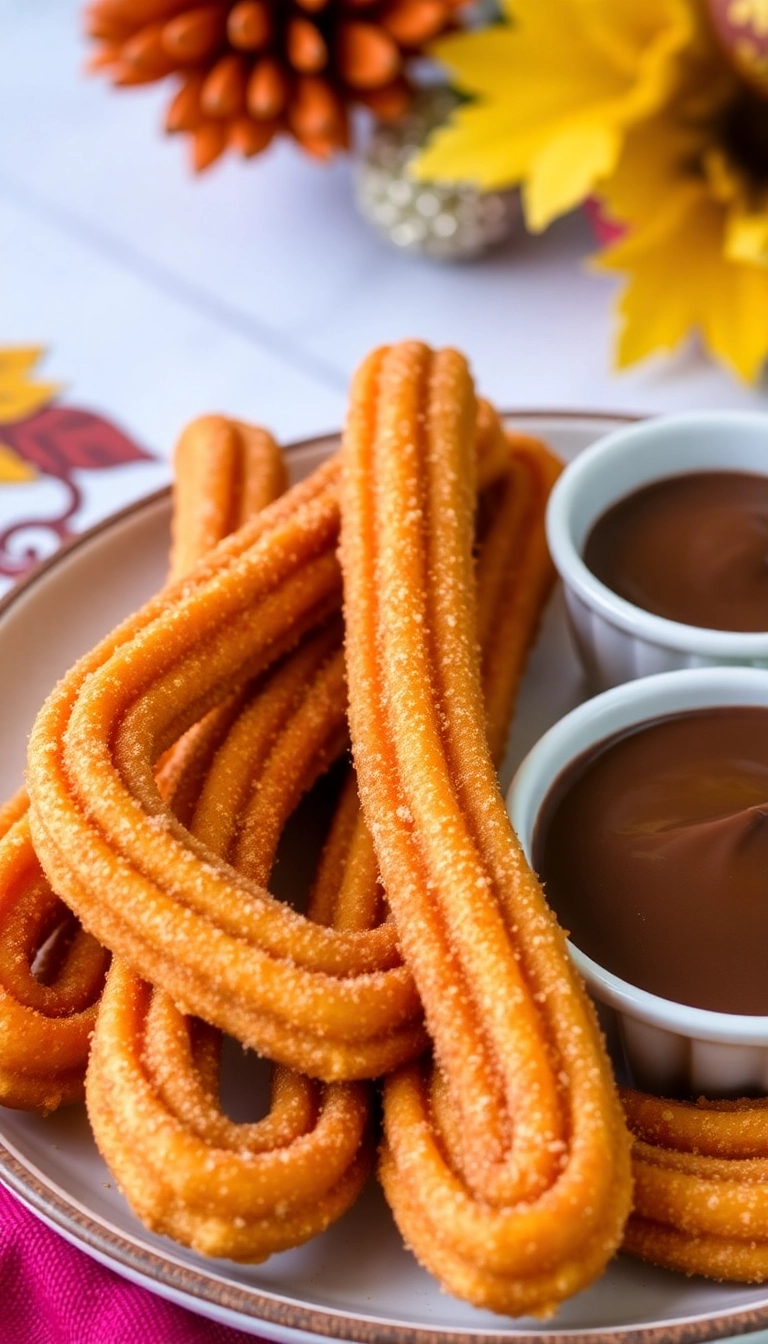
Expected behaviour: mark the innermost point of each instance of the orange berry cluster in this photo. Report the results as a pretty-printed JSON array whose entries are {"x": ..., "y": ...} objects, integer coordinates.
[{"x": 254, "y": 68}]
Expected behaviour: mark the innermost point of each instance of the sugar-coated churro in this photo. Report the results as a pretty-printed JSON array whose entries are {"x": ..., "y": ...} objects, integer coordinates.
[
  {"x": 508, "y": 1168},
  {"x": 48, "y": 1010},
  {"x": 701, "y": 1185},
  {"x": 514, "y": 577},
  {"x": 225, "y": 472},
  {"x": 321, "y": 1000},
  {"x": 51, "y": 970},
  {"x": 225, "y": 1188},
  {"x": 241, "y": 1190},
  {"x": 152, "y": 1084},
  {"x": 219, "y": 943}
]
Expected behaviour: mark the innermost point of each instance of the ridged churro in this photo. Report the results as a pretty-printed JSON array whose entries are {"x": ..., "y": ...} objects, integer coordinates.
[
  {"x": 153, "y": 1077},
  {"x": 334, "y": 1004},
  {"x": 507, "y": 1168},
  {"x": 218, "y": 943},
  {"x": 152, "y": 1082},
  {"x": 701, "y": 1185},
  {"x": 514, "y": 577},
  {"x": 224, "y": 473},
  {"x": 237, "y": 1190},
  {"x": 48, "y": 1009}
]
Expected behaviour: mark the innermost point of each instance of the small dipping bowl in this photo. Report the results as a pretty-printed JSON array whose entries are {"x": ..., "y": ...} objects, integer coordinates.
[
  {"x": 670, "y": 1048},
  {"x": 616, "y": 639}
]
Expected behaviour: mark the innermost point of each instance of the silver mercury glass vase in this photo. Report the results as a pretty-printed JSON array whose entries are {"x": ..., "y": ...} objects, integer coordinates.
[{"x": 452, "y": 221}]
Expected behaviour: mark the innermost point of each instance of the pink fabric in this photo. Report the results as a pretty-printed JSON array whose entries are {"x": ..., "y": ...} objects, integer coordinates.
[{"x": 51, "y": 1293}]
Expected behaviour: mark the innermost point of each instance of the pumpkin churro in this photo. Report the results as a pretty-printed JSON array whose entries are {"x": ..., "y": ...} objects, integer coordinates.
[{"x": 507, "y": 1166}]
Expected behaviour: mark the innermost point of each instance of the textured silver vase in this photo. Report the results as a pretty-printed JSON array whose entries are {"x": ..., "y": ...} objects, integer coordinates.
[{"x": 453, "y": 221}]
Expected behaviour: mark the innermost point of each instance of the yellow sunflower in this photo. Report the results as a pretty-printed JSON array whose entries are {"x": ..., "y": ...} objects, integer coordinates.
[{"x": 639, "y": 103}]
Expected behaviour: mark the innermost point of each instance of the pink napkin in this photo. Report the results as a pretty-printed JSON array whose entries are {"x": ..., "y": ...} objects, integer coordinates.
[{"x": 51, "y": 1293}]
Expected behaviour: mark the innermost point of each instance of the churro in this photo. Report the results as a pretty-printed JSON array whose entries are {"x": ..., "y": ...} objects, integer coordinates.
[
  {"x": 514, "y": 577},
  {"x": 224, "y": 473},
  {"x": 328, "y": 1002},
  {"x": 152, "y": 1082},
  {"x": 51, "y": 976},
  {"x": 218, "y": 943},
  {"x": 701, "y": 1185},
  {"x": 241, "y": 1190},
  {"x": 507, "y": 1167},
  {"x": 51, "y": 970}
]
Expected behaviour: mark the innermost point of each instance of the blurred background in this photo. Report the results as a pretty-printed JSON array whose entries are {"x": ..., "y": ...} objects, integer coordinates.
[{"x": 256, "y": 287}]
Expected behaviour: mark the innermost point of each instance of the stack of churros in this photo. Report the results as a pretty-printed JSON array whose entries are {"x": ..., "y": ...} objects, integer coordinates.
[
  {"x": 701, "y": 1185},
  {"x": 163, "y": 771}
]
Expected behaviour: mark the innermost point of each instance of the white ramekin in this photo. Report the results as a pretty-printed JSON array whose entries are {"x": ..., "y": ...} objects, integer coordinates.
[
  {"x": 617, "y": 640},
  {"x": 669, "y": 1047}
]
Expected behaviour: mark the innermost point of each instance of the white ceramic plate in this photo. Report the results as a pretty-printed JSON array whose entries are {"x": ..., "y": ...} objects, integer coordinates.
[{"x": 356, "y": 1282}]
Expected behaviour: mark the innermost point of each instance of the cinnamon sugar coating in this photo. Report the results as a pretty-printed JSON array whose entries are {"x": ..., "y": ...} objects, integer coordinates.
[
  {"x": 506, "y": 1165},
  {"x": 701, "y": 1185},
  {"x": 223, "y": 469}
]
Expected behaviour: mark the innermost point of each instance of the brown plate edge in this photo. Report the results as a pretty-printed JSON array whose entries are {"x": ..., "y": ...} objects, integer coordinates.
[{"x": 190, "y": 1286}]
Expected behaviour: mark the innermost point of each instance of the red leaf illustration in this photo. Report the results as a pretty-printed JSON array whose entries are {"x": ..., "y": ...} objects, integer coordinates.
[{"x": 61, "y": 438}]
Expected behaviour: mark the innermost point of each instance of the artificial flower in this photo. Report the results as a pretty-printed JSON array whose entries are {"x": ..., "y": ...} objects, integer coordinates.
[
  {"x": 695, "y": 249},
  {"x": 554, "y": 91},
  {"x": 640, "y": 104}
]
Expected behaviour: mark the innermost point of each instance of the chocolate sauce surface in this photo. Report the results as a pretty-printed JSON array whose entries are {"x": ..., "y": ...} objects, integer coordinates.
[
  {"x": 693, "y": 548},
  {"x": 653, "y": 850}
]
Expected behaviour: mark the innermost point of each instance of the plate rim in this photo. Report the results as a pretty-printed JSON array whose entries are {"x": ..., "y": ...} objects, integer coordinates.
[
  {"x": 194, "y": 1287},
  {"x": 292, "y": 449}
]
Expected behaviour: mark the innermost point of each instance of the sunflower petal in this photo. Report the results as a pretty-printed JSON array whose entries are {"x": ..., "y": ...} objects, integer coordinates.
[
  {"x": 747, "y": 237},
  {"x": 554, "y": 93},
  {"x": 681, "y": 281},
  {"x": 566, "y": 169}
]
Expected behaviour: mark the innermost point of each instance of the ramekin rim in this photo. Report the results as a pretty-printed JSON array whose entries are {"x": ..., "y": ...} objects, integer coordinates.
[{"x": 701, "y": 641}]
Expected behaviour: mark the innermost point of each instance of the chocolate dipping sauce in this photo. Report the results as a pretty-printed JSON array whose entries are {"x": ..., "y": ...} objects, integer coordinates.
[
  {"x": 653, "y": 850},
  {"x": 693, "y": 548}
]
